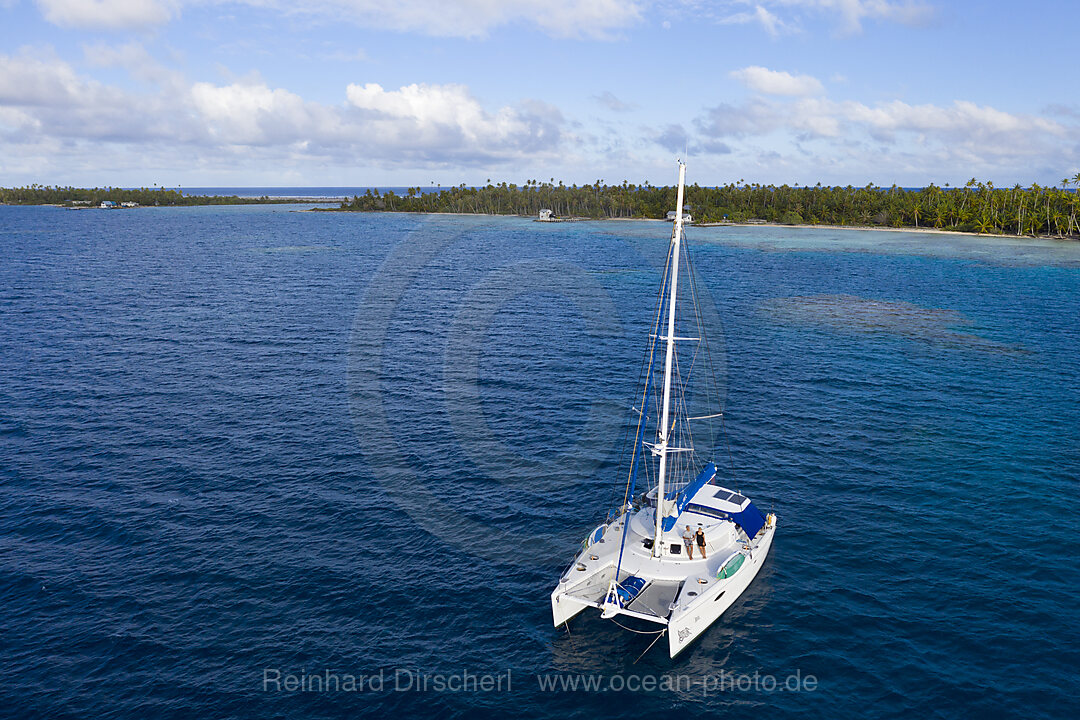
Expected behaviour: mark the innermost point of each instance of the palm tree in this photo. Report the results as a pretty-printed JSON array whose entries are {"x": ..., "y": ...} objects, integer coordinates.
[
  {"x": 1072, "y": 214},
  {"x": 939, "y": 216}
]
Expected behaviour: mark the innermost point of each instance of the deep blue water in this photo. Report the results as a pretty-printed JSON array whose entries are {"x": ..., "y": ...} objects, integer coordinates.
[
  {"x": 333, "y": 193},
  {"x": 243, "y": 440}
]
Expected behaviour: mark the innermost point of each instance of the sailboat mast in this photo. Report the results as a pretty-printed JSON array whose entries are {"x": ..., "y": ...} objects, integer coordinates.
[{"x": 665, "y": 435}]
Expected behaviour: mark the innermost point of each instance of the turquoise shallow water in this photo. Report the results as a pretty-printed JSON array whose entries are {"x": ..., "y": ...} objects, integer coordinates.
[{"x": 240, "y": 441}]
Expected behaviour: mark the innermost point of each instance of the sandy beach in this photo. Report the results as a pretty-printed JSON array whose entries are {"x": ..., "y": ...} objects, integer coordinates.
[{"x": 878, "y": 228}]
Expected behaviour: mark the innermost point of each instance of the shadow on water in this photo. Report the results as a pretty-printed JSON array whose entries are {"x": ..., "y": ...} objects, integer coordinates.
[{"x": 862, "y": 315}]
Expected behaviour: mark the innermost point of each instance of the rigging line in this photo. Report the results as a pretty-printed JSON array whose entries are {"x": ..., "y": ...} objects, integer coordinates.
[
  {"x": 624, "y": 440},
  {"x": 693, "y": 362},
  {"x": 641, "y": 425},
  {"x": 692, "y": 274},
  {"x": 712, "y": 375},
  {"x": 657, "y": 391},
  {"x": 659, "y": 635},
  {"x": 682, "y": 400},
  {"x": 708, "y": 354},
  {"x": 700, "y": 327},
  {"x": 649, "y": 355},
  {"x": 697, "y": 350},
  {"x": 648, "y": 378},
  {"x": 664, "y": 300},
  {"x": 639, "y": 632},
  {"x": 699, "y": 321},
  {"x": 727, "y": 445},
  {"x": 696, "y": 308}
]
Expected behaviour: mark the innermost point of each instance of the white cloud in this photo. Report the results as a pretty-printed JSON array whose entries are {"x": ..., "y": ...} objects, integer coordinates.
[
  {"x": 30, "y": 82},
  {"x": 424, "y": 105},
  {"x": 60, "y": 103},
  {"x": 773, "y": 82},
  {"x": 253, "y": 114},
  {"x": 108, "y": 14},
  {"x": 608, "y": 100},
  {"x": 454, "y": 18},
  {"x": 806, "y": 139},
  {"x": 784, "y": 16},
  {"x": 761, "y": 15},
  {"x": 44, "y": 100},
  {"x": 933, "y": 140},
  {"x": 421, "y": 117},
  {"x": 853, "y": 12},
  {"x": 477, "y": 18},
  {"x": 672, "y": 137},
  {"x": 755, "y": 117},
  {"x": 15, "y": 119},
  {"x": 962, "y": 121},
  {"x": 816, "y": 118},
  {"x": 911, "y": 12},
  {"x": 134, "y": 58}
]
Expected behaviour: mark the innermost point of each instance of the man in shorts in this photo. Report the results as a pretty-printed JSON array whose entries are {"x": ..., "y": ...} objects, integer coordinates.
[{"x": 688, "y": 541}]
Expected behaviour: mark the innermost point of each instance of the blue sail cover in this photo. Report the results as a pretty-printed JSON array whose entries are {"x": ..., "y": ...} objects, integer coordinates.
[
  {"x": 750, "y": 520},
  {"x": 684, "y": 495}
]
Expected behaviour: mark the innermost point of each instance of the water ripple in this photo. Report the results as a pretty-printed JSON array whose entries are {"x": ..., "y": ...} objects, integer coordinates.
[{"x": 208, "y": 472}]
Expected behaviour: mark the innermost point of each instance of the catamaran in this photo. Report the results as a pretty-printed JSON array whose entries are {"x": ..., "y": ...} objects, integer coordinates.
[{"x": 638, "y": 563}]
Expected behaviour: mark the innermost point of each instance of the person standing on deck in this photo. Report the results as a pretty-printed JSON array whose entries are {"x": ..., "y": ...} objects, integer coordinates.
[
  {"x": 700, "y": 535},
  {"x": 688, "y": 541}
]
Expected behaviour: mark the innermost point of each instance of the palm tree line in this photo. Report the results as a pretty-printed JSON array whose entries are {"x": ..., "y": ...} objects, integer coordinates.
[
  {"x": 976, "y": 207},
  {"x": 72, "y": 196}
]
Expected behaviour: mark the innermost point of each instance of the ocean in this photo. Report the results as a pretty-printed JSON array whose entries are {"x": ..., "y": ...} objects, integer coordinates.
[
  {"x": 265, "y": 462},
  {"x": 333, "y": 194}
]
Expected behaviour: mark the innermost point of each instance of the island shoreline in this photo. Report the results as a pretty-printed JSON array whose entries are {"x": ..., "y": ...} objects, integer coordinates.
[{"x": 801, "y": 226}]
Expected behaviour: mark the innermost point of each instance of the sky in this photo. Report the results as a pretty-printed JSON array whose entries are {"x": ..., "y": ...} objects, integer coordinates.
[{"x": 421, "y": 92}]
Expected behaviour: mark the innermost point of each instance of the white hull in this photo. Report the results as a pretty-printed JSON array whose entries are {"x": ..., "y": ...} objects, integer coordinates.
[
  {"x": 681, "y": 593},
  {"x": 637, "y": 564},
  {"x": 686, "y": 623}
]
